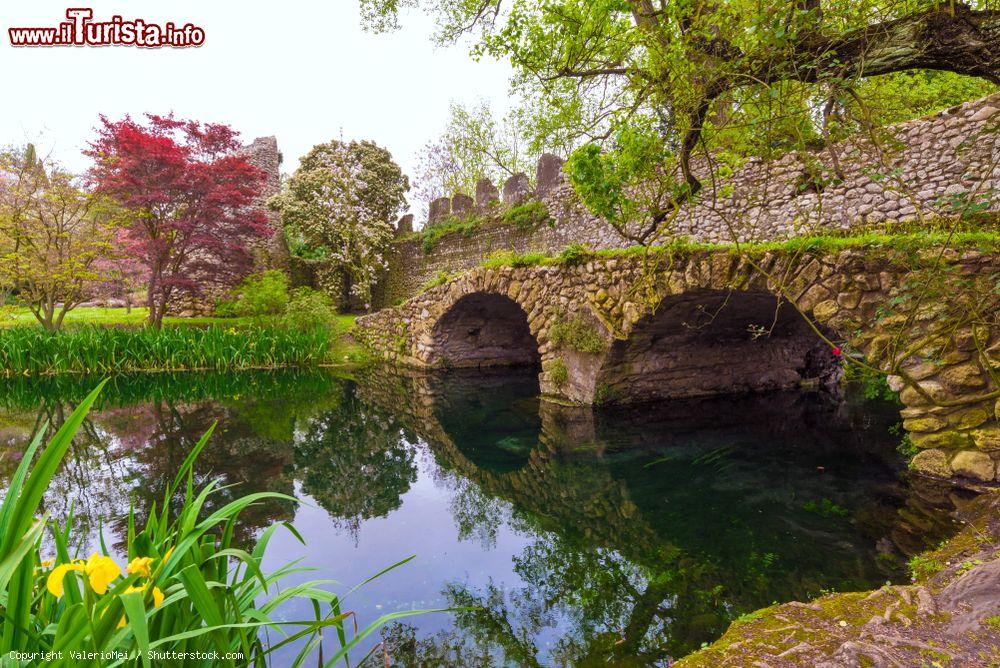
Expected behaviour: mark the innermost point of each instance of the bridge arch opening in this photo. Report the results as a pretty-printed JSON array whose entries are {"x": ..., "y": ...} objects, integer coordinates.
[
  {"x": 715, "y": 342},
  {"x": 484, "y": 330}
]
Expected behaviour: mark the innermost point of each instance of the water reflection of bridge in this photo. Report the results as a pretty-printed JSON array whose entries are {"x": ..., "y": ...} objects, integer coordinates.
[{"x": 711, "y": 510}]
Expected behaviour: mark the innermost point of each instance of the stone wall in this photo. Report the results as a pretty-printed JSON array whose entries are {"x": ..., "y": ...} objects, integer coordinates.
[
  {"x": 729, "y": 337},
  {"x": 910, "y": 174}
]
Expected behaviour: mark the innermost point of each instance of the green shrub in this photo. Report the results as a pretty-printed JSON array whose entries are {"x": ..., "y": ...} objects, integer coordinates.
[
  {"x": 309, "y": 310},
  {"x": 187, "y": 587},
  {"x": 259, "y": 295},
  {"x": 577, "y": 334},
  {"x": 528, "y": 216}
]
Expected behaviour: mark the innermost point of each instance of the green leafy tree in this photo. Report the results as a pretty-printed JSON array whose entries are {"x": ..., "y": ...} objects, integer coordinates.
[
  {"x": 731, "y": 75},
  {"x": 54, "y": 236},
  {"x": 474, "y": 145},
  {"x": 337, "y": 210}
]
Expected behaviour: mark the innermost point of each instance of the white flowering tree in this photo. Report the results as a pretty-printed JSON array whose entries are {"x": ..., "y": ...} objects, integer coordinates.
[{"x": 337, "y": 210}]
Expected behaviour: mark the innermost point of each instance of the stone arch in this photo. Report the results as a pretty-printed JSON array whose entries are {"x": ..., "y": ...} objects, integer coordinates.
[
  {"x": 483, "y": 329},
  {"x": 704, "y": 342}
]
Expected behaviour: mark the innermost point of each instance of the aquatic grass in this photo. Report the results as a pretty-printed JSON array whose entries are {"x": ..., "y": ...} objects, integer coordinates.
[
  {"x": 33, "y": 351},
  {"x": 186, "y": 588}
]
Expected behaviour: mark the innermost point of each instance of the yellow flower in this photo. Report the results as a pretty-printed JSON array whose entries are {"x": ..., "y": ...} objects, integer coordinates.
[
  {"x": 157, "y": 597},
  {"x": 101, "y": 570},
  {"x": 55, "y": 582},
  {"x": 139, "y": 565},
  {"x": 47, "y": 563}
]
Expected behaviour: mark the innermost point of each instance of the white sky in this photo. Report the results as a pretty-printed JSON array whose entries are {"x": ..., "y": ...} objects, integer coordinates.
[{"x": 303, "y": 71}]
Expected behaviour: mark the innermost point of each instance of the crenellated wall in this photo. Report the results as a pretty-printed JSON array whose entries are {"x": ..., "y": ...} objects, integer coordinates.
[{"x": 917, "y": 169}]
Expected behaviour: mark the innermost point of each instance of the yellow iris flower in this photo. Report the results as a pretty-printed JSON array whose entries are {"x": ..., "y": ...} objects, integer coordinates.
[
  {"x": 55, "y": 581},
  {"x": 99, "y": 569},
  {"x": 139, "y": 565}
]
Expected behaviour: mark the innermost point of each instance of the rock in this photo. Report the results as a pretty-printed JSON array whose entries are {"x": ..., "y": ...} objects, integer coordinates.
[
  {"x": 924, "y": 424},
  {"x": 963, "y": 376},
  {"x": 825, "y": 310},
  {"x": 985, "y": 113},
  {"x": 461, "y": 203},
  {"x": 986, "y": 438},
  {"x": 548, "y": 174},
  {"x": 486, "y": 195},
  {"x": 947, "y": 440},
  {"x": 974, "y": 464},
  {"x": 516, "y": 189},
  {"x": 932, "y": 462},
  {"x": 439, "y": 209}
]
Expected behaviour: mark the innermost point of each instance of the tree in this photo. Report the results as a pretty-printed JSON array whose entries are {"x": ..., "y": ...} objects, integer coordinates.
[
  {"x": 191, "y": 199},
  {"x": 53, "y": 235},
  {"x": 338, "y": 208},
  {"x": 474, "y": 145},
  {"x": 700, "y": 71}
]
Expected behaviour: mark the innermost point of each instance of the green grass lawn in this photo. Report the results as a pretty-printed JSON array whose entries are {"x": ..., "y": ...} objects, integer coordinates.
[{"x": 112, "y": 317}]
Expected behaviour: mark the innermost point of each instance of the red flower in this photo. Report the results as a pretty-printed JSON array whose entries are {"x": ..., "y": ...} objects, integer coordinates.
[{"x": 836, "y": 351}]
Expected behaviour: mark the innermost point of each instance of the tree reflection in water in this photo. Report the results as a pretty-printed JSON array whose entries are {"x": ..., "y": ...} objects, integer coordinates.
[{"x": 645, "y": 531}]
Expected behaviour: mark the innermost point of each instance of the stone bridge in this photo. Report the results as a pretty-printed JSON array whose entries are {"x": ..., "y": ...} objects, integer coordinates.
[{"x": 638, "y": 326}]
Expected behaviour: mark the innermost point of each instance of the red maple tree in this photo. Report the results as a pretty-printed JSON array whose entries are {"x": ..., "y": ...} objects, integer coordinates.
[{"x": 193, "y": 199}]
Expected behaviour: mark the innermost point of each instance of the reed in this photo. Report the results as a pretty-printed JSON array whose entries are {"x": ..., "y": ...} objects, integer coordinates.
[{"x": 100, "y": 350}]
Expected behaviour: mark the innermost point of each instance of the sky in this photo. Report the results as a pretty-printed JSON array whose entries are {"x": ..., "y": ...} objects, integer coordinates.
[{"x": 303, "y": 71}]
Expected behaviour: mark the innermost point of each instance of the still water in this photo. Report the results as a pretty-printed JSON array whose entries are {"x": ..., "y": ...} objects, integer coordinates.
[{"x": 575, "y": 537}]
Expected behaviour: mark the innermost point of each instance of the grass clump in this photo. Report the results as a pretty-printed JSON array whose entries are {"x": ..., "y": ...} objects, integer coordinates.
[
  {"x": 576, "y": 333},
  {"x": 528, "y": 216},
  {"x": 439, "y": 278},
  {"x": 186, "y": 586},
  {"x": 923, "y": 566},
  {"x": 431, "y": 234},
  {"x": 558, "y": 373},
  {"x": 507, "y": 258}
]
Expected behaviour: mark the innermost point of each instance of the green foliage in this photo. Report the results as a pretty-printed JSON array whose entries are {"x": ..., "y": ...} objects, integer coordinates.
[
  {"x": 309, "y": 310},
  {"x": 994, "y": 622},
  {"x": 558, "y": 373},
  {"x": 605, "y": 394},
  {"x": 576, "y": 333},
  {"x": 258, "y": 295},
  {"x": 825, "y": 508},
  {"x": 922, "y": 567},
  {"x": 528, "y": 215},
  {"x": 187, "y": 587},
  {"x": 29, "y": 350},
  {"x": 873, "y": 384},
  {"x": 623, "y": 183}
]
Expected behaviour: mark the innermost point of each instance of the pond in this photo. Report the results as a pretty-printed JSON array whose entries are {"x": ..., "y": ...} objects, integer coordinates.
[{"x": 572, "y": 536}]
